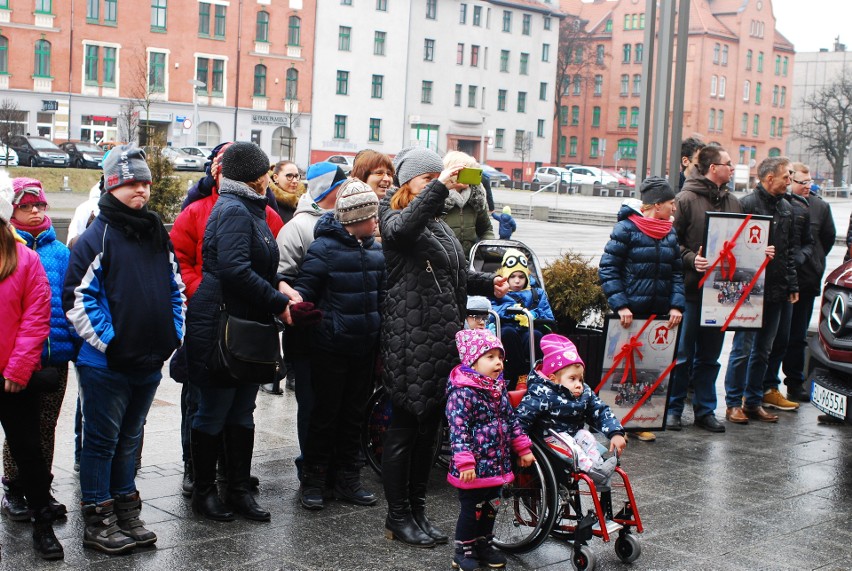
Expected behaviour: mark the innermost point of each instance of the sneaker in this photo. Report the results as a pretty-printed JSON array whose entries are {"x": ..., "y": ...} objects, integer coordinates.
[
  {"x": 774, "y": 399},
  {"x": 646, "y": 436}
]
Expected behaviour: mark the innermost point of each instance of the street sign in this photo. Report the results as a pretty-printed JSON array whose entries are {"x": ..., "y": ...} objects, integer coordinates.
[
  {"x": 180, "y": 118},
  {"x": 187, "y": 123}
]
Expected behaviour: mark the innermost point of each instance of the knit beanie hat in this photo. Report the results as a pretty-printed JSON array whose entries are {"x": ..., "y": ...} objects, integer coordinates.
[
  {"x": 478, "y": 305},
  {"x": 656, "y": 189},
  {"x": 27, "y": 191},
  {"x": 356, "y": 201},
  {"x": 414, "y": 161},
  {"x": 514, "y": 261},
  {"x": 244, "y": 162},
  {"x": 474, "y": 343},
  {"x": 507, "y": 210},
  {"x": 6, "y": 195},
  {"x": 323, "y": 178},
  {"x": 125, "y": 164},
  {"x": 559, "y": 352}
]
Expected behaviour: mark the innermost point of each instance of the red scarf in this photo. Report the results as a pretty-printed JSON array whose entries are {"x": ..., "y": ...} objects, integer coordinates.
[
  {"x": 34, "y": 231},
  {"x": 653, "y": 227}
]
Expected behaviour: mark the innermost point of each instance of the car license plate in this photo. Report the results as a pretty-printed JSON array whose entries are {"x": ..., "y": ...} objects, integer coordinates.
[
  {"x": 58, "y": 161},
  {"x": 828, "y": 401}
]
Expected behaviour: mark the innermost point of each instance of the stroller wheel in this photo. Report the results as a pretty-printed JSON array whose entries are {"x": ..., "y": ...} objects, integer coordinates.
[
  {"x": 627, "y": 548},
  {"x": 584, "y": 559}
]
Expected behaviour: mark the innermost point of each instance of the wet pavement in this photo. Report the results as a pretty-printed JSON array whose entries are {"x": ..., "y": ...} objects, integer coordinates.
[{"x": 760, "y": 496}]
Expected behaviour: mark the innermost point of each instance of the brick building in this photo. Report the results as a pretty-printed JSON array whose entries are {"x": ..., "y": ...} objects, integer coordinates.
[
  {"x": 71, "y": 66},
  {"x": 737, "y": 89}
]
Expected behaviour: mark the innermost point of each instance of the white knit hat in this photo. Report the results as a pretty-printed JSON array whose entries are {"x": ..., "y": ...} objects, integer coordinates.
[{"x": 5, "y": 196}]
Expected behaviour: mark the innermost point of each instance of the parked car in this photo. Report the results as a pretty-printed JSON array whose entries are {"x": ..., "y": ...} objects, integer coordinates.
[
  {"x": 8, "y": 157},
  {"x": 590, "y": 175},
  {"x": 84, "y": 155},
  {"x": 623, "y": 180},
  {"x": 344, "y": 161},
  {"x": 198, "y": 152},
  {"x": 180, "y": 160},
  {"x": 547, "y": 175},
  {"x": 495, "y": 177},
  {"x": 38, "y": 152}
]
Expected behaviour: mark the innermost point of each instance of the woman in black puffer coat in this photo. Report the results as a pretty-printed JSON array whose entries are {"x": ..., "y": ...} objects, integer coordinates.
[
  {"x": 428, "y": 283},
  {"x": 240, "y": 261}
]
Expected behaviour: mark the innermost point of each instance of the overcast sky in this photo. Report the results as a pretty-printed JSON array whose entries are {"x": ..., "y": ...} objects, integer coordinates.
[{"x": 813, "y": 24}]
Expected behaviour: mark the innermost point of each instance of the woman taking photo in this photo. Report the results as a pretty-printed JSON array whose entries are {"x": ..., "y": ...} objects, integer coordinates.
[
  {"x": 466, "y": 209},
  {"x": 25, "y": 321},
  {"x": 240, "y": 259},
  {"x": 427, "y": 287},
  {"x": 641, "y": 271}
]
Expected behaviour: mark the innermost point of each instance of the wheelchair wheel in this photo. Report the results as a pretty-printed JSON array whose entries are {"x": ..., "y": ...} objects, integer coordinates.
[
  {"x": 627, "y": 548},
  {"x": 584, "y": 559},
  {"x": 528, "y": 506}
]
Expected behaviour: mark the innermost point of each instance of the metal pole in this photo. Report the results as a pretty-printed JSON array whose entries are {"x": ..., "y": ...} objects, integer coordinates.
[
  {"x": 645, "y": 99},
  {"x": 679, "y": 89},
  {"x": 482, "y": 142},
  {"x": 662, "y": 88},
  {"x": 194, "y": 116}
]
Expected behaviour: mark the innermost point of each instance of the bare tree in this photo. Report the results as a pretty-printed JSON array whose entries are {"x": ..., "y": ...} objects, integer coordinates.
[
  {"x": 128, "y": 123},
  {"x": 523, "y": 148},
  {"x": 827, "y": 127},
  {"x": 140, "y": 97},
  {"x": 12, "y": 121}
]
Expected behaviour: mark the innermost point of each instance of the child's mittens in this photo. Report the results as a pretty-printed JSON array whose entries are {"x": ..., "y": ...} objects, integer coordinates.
[
  {"x": 522, "y": 320},
  {"x": 305, "y": 314}
]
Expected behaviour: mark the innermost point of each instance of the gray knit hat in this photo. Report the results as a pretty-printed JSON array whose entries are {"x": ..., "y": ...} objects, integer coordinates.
[
  {"x": 478, "y": 305},
  {"x": 244, "y": 162},
  {"x": 356, "y": 201},
  {"x": 414, "y": 161},
  {"x": 125, "y": 164},
  {"x": 656, "y": 189}
]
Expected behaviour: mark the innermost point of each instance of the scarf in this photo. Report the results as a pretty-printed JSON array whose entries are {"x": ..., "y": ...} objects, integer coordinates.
[
  {"x": 457, "y": 199},
  {"x": 285, "y": 198},
  {"x": 228, "y": 186},
  {"x": 656, "y": 229},
  {"x": 34, "y": 231},
  {"x": 135, "y": 224}
]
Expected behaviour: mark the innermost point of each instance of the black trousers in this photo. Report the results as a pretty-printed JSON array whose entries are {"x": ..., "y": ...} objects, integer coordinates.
[
  {"x": 19, "y": 415},
  {"x": 476, "y": 513},
  {"x": 341, "y": 384}
]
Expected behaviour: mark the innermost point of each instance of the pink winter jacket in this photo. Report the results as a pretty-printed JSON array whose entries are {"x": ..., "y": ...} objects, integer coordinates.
[{"x": 24, "y": 317}]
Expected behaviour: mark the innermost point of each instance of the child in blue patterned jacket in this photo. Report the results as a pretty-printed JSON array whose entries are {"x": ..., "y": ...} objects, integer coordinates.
[{"x": 480, "y": 419}]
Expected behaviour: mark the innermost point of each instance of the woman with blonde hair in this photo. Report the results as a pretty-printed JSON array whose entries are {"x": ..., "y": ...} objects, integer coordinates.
[{"x": 466, "y": 209}]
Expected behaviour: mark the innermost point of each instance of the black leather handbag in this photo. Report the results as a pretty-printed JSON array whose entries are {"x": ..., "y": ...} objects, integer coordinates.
[{"x": 246, "y": 351}]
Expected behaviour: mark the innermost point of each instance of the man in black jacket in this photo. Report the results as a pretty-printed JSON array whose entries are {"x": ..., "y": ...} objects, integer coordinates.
[{"x": 749, "y": 357}]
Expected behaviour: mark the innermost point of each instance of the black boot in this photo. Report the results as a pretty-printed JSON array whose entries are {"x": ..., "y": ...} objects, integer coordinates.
[
  {"x": 205, "y": 495},
  {"x": 421, "y": 465},
  {"x": 313, "y": 484},
  {"x": 127, "y": 510},
  {"x": 56, "y": 507},
  {"x": 14, "y": 505},
  {"x": 44, "y": 540},
  {"x": 347, "y": 487},
  {"x": 465, "y": 556},
  {"x": 102, "y": 532},
  {"x": 239, "y": 447},
  {"x": 396, "y": 468},
  {"x": 187, "y": 485},
  {"x": 486, "y": 553},
  {"x": 222, "y": 472}
]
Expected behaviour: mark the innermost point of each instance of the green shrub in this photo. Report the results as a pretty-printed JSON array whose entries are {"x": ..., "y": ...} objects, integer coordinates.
[
  {"x": 574, "y": 290},
  {"x": 167, "y": 189}
]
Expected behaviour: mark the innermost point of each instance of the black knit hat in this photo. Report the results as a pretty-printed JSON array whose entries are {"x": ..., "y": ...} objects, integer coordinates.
[
  {"x": 244, "y": 162},
  {"x": 656, "y": 189}
]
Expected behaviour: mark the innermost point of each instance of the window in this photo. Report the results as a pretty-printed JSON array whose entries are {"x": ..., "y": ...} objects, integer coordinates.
[
  {"x": 428, "y": 50},
  {"x": 598, "y": 85},
  {"x": 426, "y": 92},
  {"x": 638, "y": 53},
  {"x": 746, "y": 90},
  {"x": 596, "y": 116},
  {"x": 201, "y": 69},
  {"x": 262, "y": 27},
  {"x": 724, "y": 55},
  {"x": 545, "y": 52},
  {"x": 539, "y": 130},
  {"x": 626, "y": 53},
  {"x": 723, "y": 84},
  {"x": 42, "y": 59},
  {"x": 783, "y": 101},
  {"x": 156, "y": 72},
  {"x": 525, "y": 26},
  {"x": 627, "y": 148},
  {"x": 522, "y": 102},
  {"x": 744, "y": 124},
  {"x": 542, "y": 91},
  {"x": 717, "y": 48},
  {"x": 209, "y": 134},
  {"x": 501, "y": 100},
  {"x": 507, "y": 21},
  {"x": 775, "y": 96},
  {"x": 578, "y": 84},
  {"x": 342, "y": 82},
  {"x": 458, "y": 96},
  {"x": 462, "y": 13},
  {"x": 575, "y": 114},
  {"x": 291, "y": 90},
  {"x": 382, "y": 5},
  {"x": 760, "y": 62},
  {"x": 477, "y": 15},
  {"x": 634, "y": 117},
  {"x": 593, "y": 150},
  {"x": 578, "y": 55},
  {"x": 608, "y": 25},
  {"x": 110, "y": 11},
  {"x": 755, "y": 130},
  {"x": 625, "y": 84},
  {"x": 471, "y": 96},
  {"x": 91, "y": 65},
  {"x": 346, "y": 2},
  {"x": 158, "y": 15},
  {"x": 219, "y": 21},
  {"x": 377, "y": 89},
  {"x": 572, "y": 148},
  {"x": 93, "y": 8},
  {"x": 520, "y": 138},
  {"x": 218, "y": 82},
  {"x": 431, "y": 9},
  {"x": 642, "y": 21},
  {"x": 780, "y": 131},
  {"x": 711, "y": 122},
  {"x": 4, "y": 55},
  {"x": 627, "y": 22},
  {"x": 499, "y": 136},
  {"x": 375, "y": 129},
  {"x": 459, "y": 54},
  {"x": 784, "y": 68},
  {"x": 749, "y": 54},
  {"x": 344, "y": 35},
  {"x": 44, "y": 6},
  {"x": 260, "y": 80},
  {"x": 340, "y": 126},
  {"x": 525, "y": 58},
  {"x": 474, "y": 56},
  {"x": 504, "y": 60},
  {"x": 777, "y": 65},
  {"x": 203, "y": 19},
  {"x": 599, "y": 55},
  {"x": 720, "y": 119},
  {"x": 714, "y": 81},
  {"x": 294, "y": 31},
  {"x": 637, "y": 84},
  {"x": 547, "y": 22},
  {"x": 772, "y": 127},
  {"x": 563, "y": 115},
  {"x": 379, "y": 44},
  {"x": 757, "y": 93}
]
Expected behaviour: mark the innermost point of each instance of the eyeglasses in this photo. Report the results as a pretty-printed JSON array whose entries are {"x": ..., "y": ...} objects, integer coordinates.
[
  {"x": 727, "y": 164},
  {"x": 382, "y": 173},
  {"x": 479, "y": 318},
  {"x": 40, "y": 206},
  {"x": 805, "y": 182},
  {"x": 292, "y": 176}
]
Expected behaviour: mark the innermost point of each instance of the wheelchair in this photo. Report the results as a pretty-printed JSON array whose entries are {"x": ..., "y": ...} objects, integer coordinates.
[{"x": 553, "y": 497}]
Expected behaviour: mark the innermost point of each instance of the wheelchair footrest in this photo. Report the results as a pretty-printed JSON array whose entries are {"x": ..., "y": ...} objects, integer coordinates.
[{"x": 611, "y": 526}]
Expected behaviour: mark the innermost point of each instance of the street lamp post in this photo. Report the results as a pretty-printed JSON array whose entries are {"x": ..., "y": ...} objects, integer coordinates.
[
  {"x": 482, "y": 138},
  {"x": 196, "y": 85}
]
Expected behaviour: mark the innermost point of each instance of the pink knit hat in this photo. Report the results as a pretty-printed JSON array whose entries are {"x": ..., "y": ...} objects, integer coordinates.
[
  {"x": 559, "y": 352},
  {"x": 474, "y": 343},
  {"x": 27, "y": 191}
]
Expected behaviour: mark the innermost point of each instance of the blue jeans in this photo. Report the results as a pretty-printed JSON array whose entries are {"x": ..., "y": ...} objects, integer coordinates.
[
  {"x": 114, "y": 406},
  {"x": 749, "y": 359},
  {"x": 218, "y": 407},
  {"x": 794, "y": 360},
  {"x": 698, "y": 354},
  {"x": 779, "y": 348}
]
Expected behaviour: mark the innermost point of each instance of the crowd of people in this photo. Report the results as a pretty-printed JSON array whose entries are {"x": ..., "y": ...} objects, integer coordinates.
[{"x": 366, "y": 278}]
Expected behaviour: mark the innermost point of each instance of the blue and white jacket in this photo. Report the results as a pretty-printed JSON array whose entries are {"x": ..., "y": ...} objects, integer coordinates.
[{"x": 125, "y": 299}]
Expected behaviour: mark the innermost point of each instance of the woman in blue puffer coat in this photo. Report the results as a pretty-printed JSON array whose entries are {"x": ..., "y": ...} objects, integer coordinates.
[{"x": 32, "y": 224}]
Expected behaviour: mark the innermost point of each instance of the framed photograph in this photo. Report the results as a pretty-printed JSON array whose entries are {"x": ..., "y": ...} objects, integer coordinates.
[
  {"x": 637, "y": 364},
  {"x": 732, "y": 288}
]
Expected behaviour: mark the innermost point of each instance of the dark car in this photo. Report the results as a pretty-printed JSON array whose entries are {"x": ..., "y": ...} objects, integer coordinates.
[
  {"x": 84, "y": 155},
  {"x": 38, "y": 152},
  {"x": 495, "y": 177}
]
